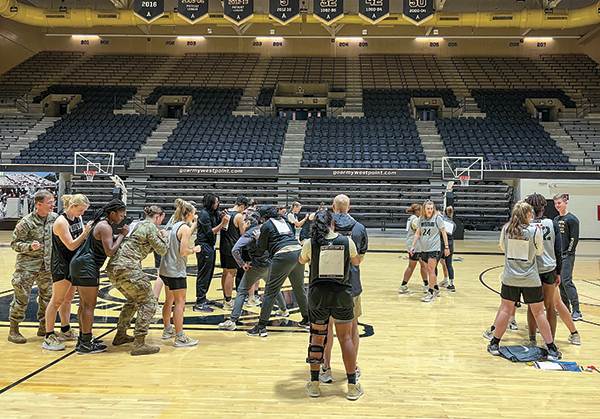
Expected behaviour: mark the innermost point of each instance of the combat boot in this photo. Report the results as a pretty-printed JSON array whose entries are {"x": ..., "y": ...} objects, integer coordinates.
[
  {"x": 121, "y": 338},
  {"x": 141, "y": 348},
  {"x": 14, "y": 335},
  {"x": 42, "y": 328}
]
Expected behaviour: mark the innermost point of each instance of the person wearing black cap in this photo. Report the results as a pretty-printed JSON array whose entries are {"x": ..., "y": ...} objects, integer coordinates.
[{"x": 277, "y": 237}]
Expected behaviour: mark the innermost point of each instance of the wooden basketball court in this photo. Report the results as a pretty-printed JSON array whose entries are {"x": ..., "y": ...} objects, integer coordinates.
[{"x": 417, "y": 359}]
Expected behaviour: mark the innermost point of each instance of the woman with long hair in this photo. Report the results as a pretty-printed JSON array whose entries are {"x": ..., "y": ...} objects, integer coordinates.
[
  {"x": 173, "y": 271},
  {"x": 125, "y": 272},
  {"x": 329, "y": 296},
  {"x": 68, "y": 233},
  {"x": 85, "y": 268},
  {"x": 429, "y": 228},
  {"x": 521, "y": 242},
  {"x": 446, "y": 261},
  {"x": 411, "y": 228}
]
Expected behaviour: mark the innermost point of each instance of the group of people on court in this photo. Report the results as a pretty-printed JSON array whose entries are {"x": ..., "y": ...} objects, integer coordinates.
[
  {"x": 428, "y": 231},
  {"x": 539, "y": 257},
  {"x": 60, "y": 254}
]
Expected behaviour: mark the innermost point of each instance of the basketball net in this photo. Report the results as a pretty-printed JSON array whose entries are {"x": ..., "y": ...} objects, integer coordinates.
[
  {"x": 89, "y": 175},
  {"x": 464, "y": 180}
]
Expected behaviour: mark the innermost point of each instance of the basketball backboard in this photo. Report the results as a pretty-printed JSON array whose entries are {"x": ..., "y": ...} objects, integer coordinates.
[
  {"x": 91, "y": 161},
  {"x": 455, "y": 167}
]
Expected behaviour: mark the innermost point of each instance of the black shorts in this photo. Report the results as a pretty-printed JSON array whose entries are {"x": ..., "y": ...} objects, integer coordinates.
[
  {"x": 548, "y": 277},
  {"x": 530, "y": 295},
  {"x": 228, "y": 262},
  {"x": 157, "y": 260},
  {"x": 175, "y": 283},
  {"x": 86, "y": 282},
  {"x": 58, "y": 279},
  {"x": 415, "y": 256},
  {"x": 325, "y": 301},
  {"x": 425, "y": 256}
]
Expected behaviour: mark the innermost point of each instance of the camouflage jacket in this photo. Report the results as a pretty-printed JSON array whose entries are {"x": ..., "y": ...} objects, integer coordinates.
[
  {"x": 144, "y": 239},
  {"x": 30, "y": 228}
]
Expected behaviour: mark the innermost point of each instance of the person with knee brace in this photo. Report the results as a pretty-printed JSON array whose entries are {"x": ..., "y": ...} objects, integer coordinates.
[{"x": 329, "y": 296}]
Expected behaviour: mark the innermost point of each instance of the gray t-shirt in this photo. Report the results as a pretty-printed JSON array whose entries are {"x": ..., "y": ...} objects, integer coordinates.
[
  {"x": 429, "y": 241},
  {"x": 547, "y": 261},
  {"x": 520, "y": 267},
  {"x": 173, "y": 265},
  {"x": 411, "y": 229}
]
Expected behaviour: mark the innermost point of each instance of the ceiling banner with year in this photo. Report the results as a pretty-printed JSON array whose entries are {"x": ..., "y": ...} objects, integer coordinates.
[
  {"x": 149, "y": 10},
  {"x": 238, "y": 11}
]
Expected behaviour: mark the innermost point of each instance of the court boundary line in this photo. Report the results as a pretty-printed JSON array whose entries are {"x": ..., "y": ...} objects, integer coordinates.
[{"x": 45, "y": 367}]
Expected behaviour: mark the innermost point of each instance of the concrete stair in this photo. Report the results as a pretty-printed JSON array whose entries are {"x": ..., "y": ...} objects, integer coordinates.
[
  {"x": 291, "y": 155},
  {"x": 569, "y": 146},
  {"x": 155, "y": 142},
  {"x": 26, "y": 138},
  {"x": 354, "y": 89},
  {"x": 247, "y": 103},
  {"x": 433, "y": 147}
]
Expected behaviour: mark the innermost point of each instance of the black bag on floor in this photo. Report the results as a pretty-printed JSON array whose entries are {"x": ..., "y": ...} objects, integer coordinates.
[{"x": 523, "y": 353}]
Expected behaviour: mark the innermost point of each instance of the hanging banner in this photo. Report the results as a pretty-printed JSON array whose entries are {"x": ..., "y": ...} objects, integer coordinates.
[
  {"x": 149, "y": 10},
  {"x": 418, "y": 11},
  {"x": 284, "y": 11},
  {"x": 373, "y": 10},
  {"x": 192, "y": 11},
  {"x": 238, "y": 11},
  {"x": 328, "y": 11}
]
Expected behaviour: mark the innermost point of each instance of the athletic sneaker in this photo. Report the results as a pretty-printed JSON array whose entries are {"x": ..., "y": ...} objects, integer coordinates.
[
  {"x": 257, "y": 331},
  {"x": 576, "y": 316},
  {"x": 553, "y": 355},
  {"x": 443, "y": 283},
  {"x": 403, "y": 289},
  {"x": 228, "y": 325},
  {"x": 52, "y": 343},
  {"x": 304, "y": 323},
  {"x": 357, "y": 371},
  {"x": 438, "y": 293},
  {"x": 184, "y": 340},
  {"x": 325, "y": 375},
  {"x": 528, "y": 342},
  {"x": 512, "y": 325},
  {"x": 203, "y": 307},
  {"x": 228, "y": 305},
  {"x": 494, "y": 349},
  {"x": 428, "y": 298},
  {"x": 312, "y": 388},
  {"x": 282, "y": 313},
  {"x": 489, "y": 333},
  {"x": 354, "y": 391},
  {"x": 253, "y": 302},
  {"x": 451, "y": 288},
  {"x": 91, "y": 347},
  {"x": 69, "y": 335},
  {"x": 94, "y": 340},
  {"x": 425, "y": 288},
  {"x": 169, "y": 332},
  {"x": 574, "y": 338}
]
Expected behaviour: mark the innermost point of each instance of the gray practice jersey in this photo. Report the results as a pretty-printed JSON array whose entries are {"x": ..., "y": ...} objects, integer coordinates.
[
  {"x": 520, "y": 267},
  {"x": 547, "y": 262},
  {"x": 173, "y": 265},
  {"x": 411, "y": 229},
  {"x": 429, "y": 241}
]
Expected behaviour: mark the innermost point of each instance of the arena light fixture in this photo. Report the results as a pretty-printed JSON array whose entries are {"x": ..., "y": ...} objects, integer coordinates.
[
  {"x": 190, "y": 37},
  {"x": 538, "y": 38},
  {"x": 269, "y": 38},
  {"x": 85, "y": 36},
  {"x": 348, "y": 38},
  {"x": 427, "y": 38}
]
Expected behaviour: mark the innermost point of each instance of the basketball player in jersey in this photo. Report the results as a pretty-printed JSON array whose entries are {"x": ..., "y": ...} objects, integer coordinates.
[
  {"x": 230, "y": 234},
  {"x": 411, "y": 228},
  {"x": 331, "y": 255},
  {"x": 68, "y": 233}
]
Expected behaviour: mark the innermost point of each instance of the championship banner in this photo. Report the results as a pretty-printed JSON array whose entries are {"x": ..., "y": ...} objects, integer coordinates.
[
  {"x": 418, "y": 11},
  {"x": 149, "y": 10},
  {"x": 328, "y": 11},
  {"x": 373, "y": 11},
  {"x": 284, "y": 11},
  {"x": 192, "y": 11},
  {"x": 238, "y": 11}
]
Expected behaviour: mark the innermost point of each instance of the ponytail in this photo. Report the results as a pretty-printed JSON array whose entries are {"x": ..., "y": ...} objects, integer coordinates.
[
  {"x": 321, "y": 227},
  {"x": 153, "y": 210},
  {"x": 518, "y": 220},
  {"x": 182, "y": 209}
]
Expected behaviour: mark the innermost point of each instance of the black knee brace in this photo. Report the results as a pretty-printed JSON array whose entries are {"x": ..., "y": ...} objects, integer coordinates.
[{"x": 317, "y": 348}]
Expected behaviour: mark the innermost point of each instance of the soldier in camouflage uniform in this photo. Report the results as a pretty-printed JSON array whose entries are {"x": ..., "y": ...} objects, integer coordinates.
[
  {"x": 124, "y": 271},
  {"x": 32, "y": 240}
]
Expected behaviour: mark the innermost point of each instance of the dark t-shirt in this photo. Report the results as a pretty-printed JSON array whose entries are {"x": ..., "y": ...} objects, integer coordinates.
[
  {"x": 206, "y": 222},
  {"x": 569, "y": 231}
]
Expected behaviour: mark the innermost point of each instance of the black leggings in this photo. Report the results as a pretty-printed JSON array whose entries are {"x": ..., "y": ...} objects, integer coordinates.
[{"x": 448, "y": 261}]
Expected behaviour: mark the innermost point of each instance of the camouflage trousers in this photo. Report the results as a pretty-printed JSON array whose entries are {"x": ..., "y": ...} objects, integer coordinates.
[
  {"x": 137, "y": 290},
  {"x": 22, "y": 282}
]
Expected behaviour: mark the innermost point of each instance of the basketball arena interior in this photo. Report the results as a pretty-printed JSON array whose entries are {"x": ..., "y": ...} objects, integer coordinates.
[{"x": 470, "y": 103}]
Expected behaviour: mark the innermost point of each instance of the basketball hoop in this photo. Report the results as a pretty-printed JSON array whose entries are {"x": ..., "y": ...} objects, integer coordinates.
[
  {"x": 89, "y": 175},
  {"x": 464, "y": 180}
]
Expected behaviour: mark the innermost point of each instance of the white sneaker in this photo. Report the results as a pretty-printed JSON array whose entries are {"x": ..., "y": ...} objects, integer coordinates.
[
  {"x": 403, "y": 289},
  {"x": 228, "y": 325},
  {"x": 168, "y": 332},
  {"x": 425, "y": 288},
  {"x": 228, "y": 305},
  {"x": 428, "y": 298},
  {"x": 325, "y": 375},
  {"x": 51, "y": 343},
  {"x": 438, "y": 293},
  {"x": 184, "y": 340},
  {"x": 512, "y": 325},
  {"x": 443, "y": 283},
  {"x": 282, "y": 313},
  {"x": 253, "y": 302}
]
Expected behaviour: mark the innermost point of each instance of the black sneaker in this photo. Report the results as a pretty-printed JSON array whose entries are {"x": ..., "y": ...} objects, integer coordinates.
[
  {"x": 494, "y": 349},
  {"x": 304, "y": 323},
  {"x": 451, "y": 288},
  {"x": 554, "y": 355},
  {"x": 214, "y": 303},
  {"x": 257, "y": 331},
  {"x": 90, "y": 347},
  {"x": 203, "y": 307}
]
